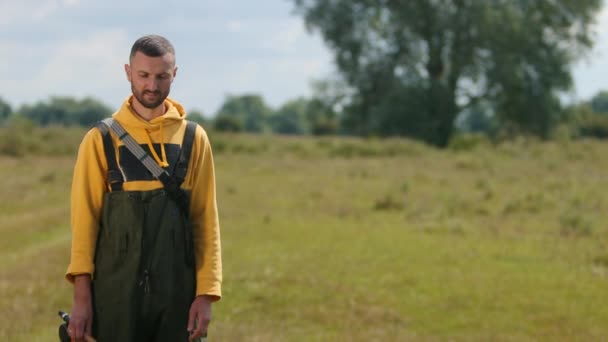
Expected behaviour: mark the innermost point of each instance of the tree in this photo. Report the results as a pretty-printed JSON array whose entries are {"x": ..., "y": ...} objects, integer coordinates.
[
  {"x": 227, "y": 124},
  {"x": 328, "y": 98},
  {"x": 477, "y": 119},
  {"x": 250, "y": 111},
  {"x": 582, "y": 120},
  {"x": 89, "y": 111},
  {"x": 198, "y": 117},
  {"x": 599, "y": 102},
  {"x": 66, "y": 111},
  {"x": 291, "y": 118},
  {"x": 414, "y": 65},
  {"x": 5, "y": 110}
]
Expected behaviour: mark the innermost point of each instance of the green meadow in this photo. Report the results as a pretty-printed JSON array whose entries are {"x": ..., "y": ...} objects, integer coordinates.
[{"x": 343, "y": 239}]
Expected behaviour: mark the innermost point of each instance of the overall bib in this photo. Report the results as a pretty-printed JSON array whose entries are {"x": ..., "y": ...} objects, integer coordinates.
[{"x": 144, "y": 280}]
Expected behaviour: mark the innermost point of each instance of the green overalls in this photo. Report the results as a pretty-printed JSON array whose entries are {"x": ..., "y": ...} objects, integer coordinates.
[{"x": 144, "y": 279}]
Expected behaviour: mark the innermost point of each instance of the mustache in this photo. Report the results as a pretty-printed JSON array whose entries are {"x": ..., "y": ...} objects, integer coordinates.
[{"x": 153, "y": 92}]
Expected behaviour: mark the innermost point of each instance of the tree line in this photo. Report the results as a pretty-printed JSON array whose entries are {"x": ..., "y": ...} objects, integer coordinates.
[
  {"x": 316, "y": 115},
  {"x": 238, "y": 113}
]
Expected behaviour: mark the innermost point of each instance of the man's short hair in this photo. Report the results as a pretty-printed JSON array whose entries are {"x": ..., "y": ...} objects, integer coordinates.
[{"x": 152, "y": 46}]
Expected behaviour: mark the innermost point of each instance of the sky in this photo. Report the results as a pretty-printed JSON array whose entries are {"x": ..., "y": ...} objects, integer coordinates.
[{"x": 224, "y": 47}]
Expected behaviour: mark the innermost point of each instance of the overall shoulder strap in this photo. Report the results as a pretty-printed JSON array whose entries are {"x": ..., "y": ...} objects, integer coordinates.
[
  {"x": 134, "y": 148},
  {"x": 181, "y": 167},
  {"x": 115, "y": 178},
  {"x": 169, "y": 182}
]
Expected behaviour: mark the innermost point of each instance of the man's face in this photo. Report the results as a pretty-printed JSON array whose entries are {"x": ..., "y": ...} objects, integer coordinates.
[{"x": 151, "y": 78}]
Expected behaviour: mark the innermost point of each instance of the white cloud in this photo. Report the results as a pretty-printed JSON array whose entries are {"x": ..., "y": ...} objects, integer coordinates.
[
  {"x": 235, "y": 26},
  {"x": 181, "y": 22},
  {"x": 588, "y": 72},
  {"x": 206, "y": 82},
  {"x": 27, "y": 11},
  {"x": 91, "y": 66},
  {"x": 44, "y": 10},
  {"x": 285, "y": 36},
  {"x": 71, "y": 3},
  {"x": 11, "y": 11},
  {"x": 93, "y": 61}
]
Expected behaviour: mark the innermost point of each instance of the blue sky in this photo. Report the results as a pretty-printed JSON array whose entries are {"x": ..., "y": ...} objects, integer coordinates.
[{"x": 78, "y": 48}]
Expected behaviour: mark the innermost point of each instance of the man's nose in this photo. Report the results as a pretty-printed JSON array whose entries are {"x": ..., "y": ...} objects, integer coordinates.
[{"x": 152, "y": 84}]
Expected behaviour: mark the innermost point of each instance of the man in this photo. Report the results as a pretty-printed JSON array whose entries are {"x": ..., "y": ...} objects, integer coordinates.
[{"x": 143, "y": 267}]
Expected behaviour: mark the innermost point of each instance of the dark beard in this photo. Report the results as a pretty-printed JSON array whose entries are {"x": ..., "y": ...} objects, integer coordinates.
[{"x": 150, "y": 105}]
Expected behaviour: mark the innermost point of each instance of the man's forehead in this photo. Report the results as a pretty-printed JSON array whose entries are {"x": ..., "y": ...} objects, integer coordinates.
[{"x": 141, "y": 60}]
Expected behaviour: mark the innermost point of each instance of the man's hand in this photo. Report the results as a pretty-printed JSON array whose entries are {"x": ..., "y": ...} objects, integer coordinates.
[
  {"x": 199, "y": 317},
  {"x": 81, "y": 318}
]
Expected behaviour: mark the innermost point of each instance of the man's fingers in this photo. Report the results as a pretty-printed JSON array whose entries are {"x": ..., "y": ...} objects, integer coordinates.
[
  {"x": 89, "y": 338},
  {"x": 80, "y": 335},
  {"x": 194, "y": 333},
  {"x": 75, "y": 329},
  {"x": 195, "y": 327},
  {"x": 79, "y": 328},
  {"x": 191, "y": 320},
  {"x": 200, "y": 316},
  {"x": 202, "y": 323},
  {"x": 200, "y": 328}
]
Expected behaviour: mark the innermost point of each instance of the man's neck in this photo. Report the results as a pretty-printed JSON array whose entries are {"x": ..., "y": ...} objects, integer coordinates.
[{"x": 147, "y": 114}]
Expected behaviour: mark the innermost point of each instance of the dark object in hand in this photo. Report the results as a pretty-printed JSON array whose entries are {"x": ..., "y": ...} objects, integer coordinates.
[{"x": 63, "y": 328}]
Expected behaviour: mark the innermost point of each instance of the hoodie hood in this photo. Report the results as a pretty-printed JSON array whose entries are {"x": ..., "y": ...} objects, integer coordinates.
[
  {"x": 158, "y": 131},
  {"x": 127, "y": 116}
]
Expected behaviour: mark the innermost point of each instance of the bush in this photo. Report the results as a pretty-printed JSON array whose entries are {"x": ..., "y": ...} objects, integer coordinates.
[
  {"x": 14, "y": 140},
  {"x": 575, "y": 225},
  {"x": 388, "y": 202},
  {"x": 595, "y": 126},
  {"x": 22, "y": 137},
  {"x": 228, "y": 124},
  {"x": 467, "y": 142}
]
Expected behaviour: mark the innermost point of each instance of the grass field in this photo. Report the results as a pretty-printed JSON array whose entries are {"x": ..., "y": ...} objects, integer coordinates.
[{"x": 359, "y": 240}]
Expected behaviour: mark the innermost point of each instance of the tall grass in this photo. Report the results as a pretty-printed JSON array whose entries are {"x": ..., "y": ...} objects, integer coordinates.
[{"x": 338, "y": 239}]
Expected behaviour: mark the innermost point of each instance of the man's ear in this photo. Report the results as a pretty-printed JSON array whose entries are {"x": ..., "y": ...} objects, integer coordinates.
[
  {"x": 128, "y": 72},
  {"x": 174, "y": 71}
]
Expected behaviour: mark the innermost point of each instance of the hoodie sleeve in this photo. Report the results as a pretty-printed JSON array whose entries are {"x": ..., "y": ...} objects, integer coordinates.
[
  {"x": 88, "y": 187},
  {"x": 204, "y": 215}
]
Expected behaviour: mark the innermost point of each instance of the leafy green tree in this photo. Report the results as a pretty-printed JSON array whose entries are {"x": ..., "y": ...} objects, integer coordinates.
[
  {"x": 88, "y": 111},
  {"x": 227, "y": 124},
  {"x": 478, "y": 119},
  {"x": 599, "y": 102},
  {"x": 5, "y": 110},
  {"x": 291, "y": 118},
  {"x": 581, "y": 120},
  {"x": 594, "y": 126},
  {"x": 328, "y": 98},
  {"x": 198, "y": 117},
  {"x": 66, "y": 111},
  {"x": 322, "y": 119},
  {"x": 414, "y": 65},
  {"x": 249, "y": 110}
]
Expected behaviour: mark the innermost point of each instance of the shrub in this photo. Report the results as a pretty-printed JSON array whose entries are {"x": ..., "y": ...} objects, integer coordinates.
[
  {"x": 21, "y": 137},
  {"x": 595, "y": 126},
  {"x": 575, "y": 225},
  {"x": 467, "y": 142},
  {"x": 228, "y": 124},
  {"x": 388, "y": 202}
]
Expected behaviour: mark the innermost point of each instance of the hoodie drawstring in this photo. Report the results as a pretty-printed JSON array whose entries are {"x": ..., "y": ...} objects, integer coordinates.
[{"x": 162, "y": 162}]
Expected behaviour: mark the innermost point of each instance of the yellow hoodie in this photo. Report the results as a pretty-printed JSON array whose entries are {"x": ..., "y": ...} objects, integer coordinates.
[{"x": 89, "y": 185}]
